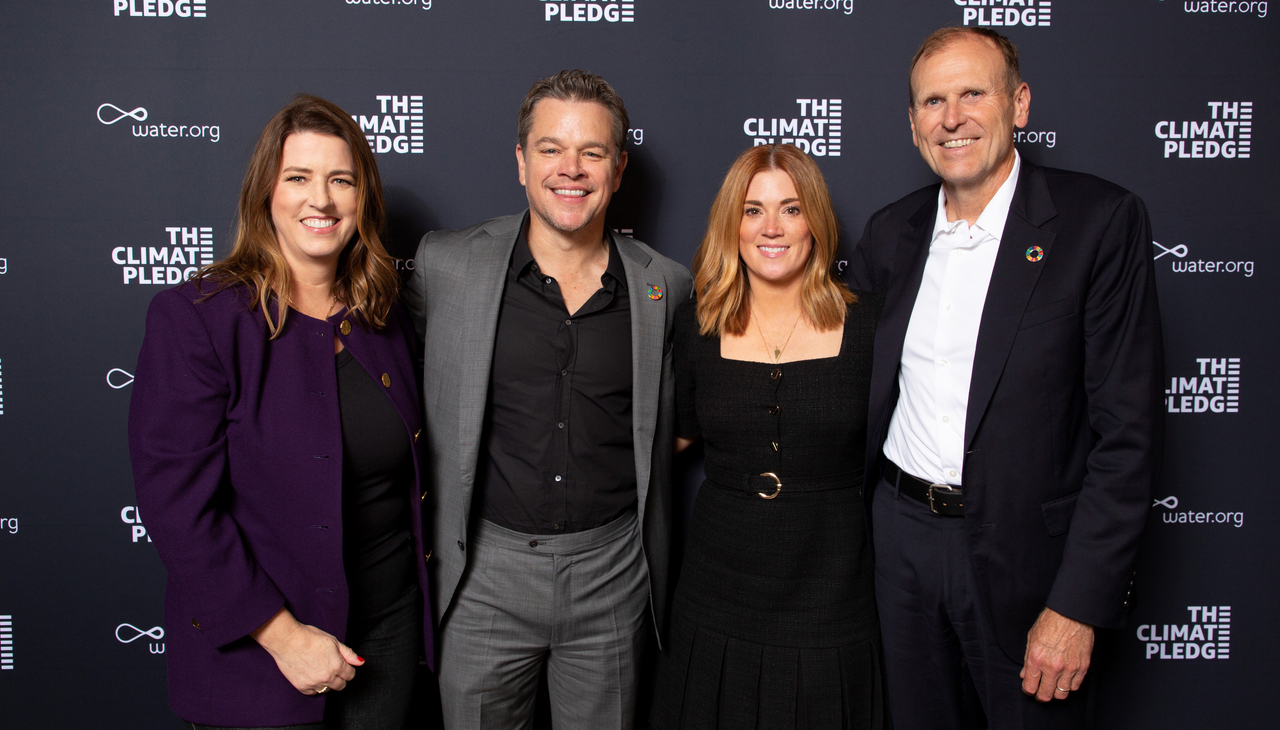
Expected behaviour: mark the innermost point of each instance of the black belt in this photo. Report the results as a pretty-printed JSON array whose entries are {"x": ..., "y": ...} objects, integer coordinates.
[
  {"x": 942, "y": 499},
  {"x": 769, "y": 485}
]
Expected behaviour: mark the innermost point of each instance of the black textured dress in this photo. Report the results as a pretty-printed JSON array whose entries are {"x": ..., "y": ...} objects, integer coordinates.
[{"x": 774, "y": 619}]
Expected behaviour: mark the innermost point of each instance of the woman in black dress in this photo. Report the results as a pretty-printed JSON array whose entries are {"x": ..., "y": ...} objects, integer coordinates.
[{"x": 774, "y": 621}]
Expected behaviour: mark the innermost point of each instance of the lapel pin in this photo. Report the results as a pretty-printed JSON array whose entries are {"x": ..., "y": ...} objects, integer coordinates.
[
  {"x": 1034, "y": 254},
  {"x": 655, "y": 292}
]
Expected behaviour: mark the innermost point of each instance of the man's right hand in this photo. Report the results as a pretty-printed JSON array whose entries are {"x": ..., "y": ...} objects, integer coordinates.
[{"x": 312, "y": 660}]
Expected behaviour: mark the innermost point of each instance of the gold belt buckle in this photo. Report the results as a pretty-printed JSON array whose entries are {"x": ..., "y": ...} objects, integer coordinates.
[
  {"x": 935, "y": 488},
  {"x": 777, "y": 491}
]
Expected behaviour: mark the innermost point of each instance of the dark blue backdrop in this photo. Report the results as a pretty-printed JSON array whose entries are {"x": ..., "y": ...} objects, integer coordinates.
[{"x": 127, "y": 125}]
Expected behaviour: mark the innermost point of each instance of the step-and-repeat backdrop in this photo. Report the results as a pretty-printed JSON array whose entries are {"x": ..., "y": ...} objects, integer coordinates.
[{"x": 127, "y": 126}]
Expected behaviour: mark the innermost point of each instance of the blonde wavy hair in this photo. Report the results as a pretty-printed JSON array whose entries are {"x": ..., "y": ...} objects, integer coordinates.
[
  {"x": 366, "y": 281},
  {"x": 719, "y": 274}
]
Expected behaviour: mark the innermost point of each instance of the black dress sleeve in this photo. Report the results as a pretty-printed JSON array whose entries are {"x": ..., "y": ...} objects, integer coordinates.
[{"x": 686, "y": 352}]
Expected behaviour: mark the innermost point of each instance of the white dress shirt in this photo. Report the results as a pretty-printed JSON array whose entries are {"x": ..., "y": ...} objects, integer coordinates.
[{"x": 926, "y": 433}]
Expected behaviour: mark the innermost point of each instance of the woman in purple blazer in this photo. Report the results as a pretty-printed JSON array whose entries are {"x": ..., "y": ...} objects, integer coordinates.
[{"x": 274, "y": 434}]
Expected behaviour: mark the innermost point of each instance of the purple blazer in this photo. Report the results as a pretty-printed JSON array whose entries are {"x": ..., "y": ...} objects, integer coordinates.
[{"x": 236, "y": 444}]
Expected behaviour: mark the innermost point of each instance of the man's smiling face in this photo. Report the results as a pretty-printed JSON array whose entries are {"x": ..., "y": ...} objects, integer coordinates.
[
  {"x": 963, "y": 114},
  {"x": 569, "y": 165}
]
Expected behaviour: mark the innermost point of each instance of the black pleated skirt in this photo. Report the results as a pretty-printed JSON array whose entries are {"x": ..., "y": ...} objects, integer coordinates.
[{"x": 773, "y": 624}]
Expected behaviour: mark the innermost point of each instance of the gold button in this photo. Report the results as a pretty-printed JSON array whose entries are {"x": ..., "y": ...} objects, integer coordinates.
[
  {"x": 777, "y": 373},
  {"x": 386, "y": 380},
  {"x": 774, "y": 409},
  {"x": 345, "y": 327},
  {"x": 416, "y": 435},
  {"x": 427, "y": 558},
  {"x": 195, "y": 623},
  {"x": 774, "y": 444}
]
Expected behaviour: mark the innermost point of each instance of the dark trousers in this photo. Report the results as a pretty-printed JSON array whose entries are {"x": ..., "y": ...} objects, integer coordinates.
[
  {"x": 379, "y": 696},
  {"x": 945, "y": 670}
]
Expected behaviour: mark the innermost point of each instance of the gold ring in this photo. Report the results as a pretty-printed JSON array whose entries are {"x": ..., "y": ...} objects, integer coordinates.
[
  {"x": 322, "y": 690},
  {"x": 777, "y": 491},
  {"x": 1064, "y": 691}
]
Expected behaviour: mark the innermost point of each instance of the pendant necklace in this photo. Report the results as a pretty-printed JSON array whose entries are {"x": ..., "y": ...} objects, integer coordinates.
[{"x": 777, "y": 351}]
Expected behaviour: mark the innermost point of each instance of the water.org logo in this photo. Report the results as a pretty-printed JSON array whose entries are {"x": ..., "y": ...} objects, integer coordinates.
[
  {"x": 1227, "y": 133},
  {"x": 1173, "y": 516},
  {"x": 119, "y": 378},
  {"x": 1006, "y": 13},
  {"x": 817, "y": 130},
  {"x": 128, "y": 633},
  {"x": 160, "y": 8},
  {"x": 188, "y": 250},
  {"x": 109, "y": 114},
  {"x": 1025, "y": 137},
  {"x": 844, "y": 6},
  {"x": 421, "y": 4},
  {"x": 1215, "y": 390},
  {"x": 1179, "y": 263},
  {"x": 1250, "y": 7},
  {"x": 589, "y": 11},
  {"x": 398, "y": 127},
  {"x": 1207, "y": 636}
]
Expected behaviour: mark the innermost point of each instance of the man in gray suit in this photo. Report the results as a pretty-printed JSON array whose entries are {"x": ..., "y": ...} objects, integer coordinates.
[{"x": 550, "y": 403}]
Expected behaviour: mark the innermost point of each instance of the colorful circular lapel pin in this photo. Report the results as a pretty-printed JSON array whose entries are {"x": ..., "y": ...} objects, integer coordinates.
[
  {"x": 1034, "y": 254},
  {"x": 655, "y": 292}
]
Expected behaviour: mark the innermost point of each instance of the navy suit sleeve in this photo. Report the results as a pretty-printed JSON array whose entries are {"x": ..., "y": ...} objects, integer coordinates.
[
  {"x": 861, "y": 272},
  {"x": 178, "y": 447},
  {"x": 1123, "y": 374}
]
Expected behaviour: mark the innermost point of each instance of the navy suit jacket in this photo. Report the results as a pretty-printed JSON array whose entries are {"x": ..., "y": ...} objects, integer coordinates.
[
  {"x": 236, "y": 443},
  {"x": 1064, "y": 428}
]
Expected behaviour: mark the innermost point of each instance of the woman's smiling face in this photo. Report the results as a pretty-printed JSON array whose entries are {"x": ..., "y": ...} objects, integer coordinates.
[{"x": 773, "y": 237}]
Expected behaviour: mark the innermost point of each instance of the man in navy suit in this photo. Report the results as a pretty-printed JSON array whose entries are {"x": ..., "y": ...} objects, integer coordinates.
[{"x": 1015, "y": 420}]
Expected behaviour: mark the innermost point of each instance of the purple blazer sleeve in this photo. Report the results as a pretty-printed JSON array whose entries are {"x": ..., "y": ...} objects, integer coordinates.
[{"x": 178, "y": 446}]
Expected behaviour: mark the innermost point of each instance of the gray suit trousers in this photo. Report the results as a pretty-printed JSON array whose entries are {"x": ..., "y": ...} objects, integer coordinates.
[{"x": 578, "y": 602}]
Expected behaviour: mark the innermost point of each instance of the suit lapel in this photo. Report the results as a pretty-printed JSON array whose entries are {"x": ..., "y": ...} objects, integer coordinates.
[
  {"x": 911, "y": 254},
  {"x": 486, "y": 278},
  {"x": 648, "y": 330},
  {"x": 1013, "y": 279}
]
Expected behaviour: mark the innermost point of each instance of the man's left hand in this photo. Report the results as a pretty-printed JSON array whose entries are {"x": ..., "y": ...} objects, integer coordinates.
[{"x": 1058, "y": 652}]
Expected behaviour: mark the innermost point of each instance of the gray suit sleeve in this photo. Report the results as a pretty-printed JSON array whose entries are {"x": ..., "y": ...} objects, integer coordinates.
[{"x": 415, "y": 296}]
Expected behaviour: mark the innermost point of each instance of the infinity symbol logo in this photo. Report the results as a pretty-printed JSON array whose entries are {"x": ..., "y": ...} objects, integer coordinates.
[
  {"x": 155, "y": 632},
  {"x": 1167, "y": 502},
  {"x": 1180, "y": 250},
  {"x": 140, "y": 114},
  {"x": 126, "y": 378}
]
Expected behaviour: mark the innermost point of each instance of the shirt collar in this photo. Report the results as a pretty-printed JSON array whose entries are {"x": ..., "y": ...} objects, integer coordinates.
[
  {"x": 522, "y": 258},
  {"x": 993, "y": 216}
]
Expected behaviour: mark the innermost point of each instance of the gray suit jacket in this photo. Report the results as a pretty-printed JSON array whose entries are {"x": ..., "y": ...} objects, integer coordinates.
[{"x": 454, "y": 298}]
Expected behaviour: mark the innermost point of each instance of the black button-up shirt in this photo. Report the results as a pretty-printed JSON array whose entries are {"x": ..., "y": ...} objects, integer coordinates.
[{"x": 557, "y": 454}]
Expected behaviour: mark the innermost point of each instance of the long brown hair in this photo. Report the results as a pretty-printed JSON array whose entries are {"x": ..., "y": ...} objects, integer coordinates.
[
  {"x": 366, "y": 280},
  {"x": 720, "y": 276}
]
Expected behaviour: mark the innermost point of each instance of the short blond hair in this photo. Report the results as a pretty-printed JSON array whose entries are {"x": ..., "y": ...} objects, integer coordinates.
[{"x": 719, "y": 275}]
